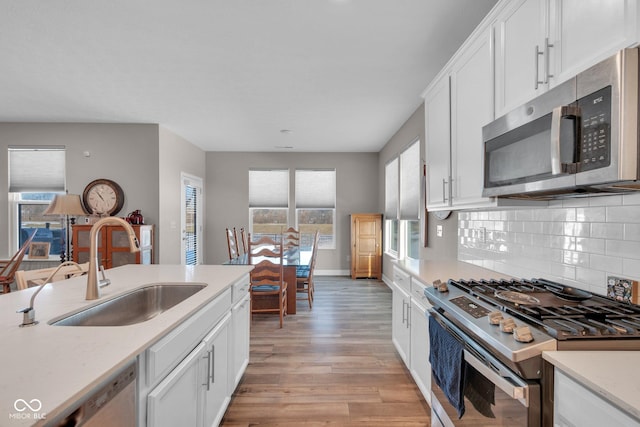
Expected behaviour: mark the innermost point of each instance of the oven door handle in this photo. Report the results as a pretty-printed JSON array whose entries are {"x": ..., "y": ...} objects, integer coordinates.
[
  {"x": 514, "y": 391},
  {"x": 494, "y": 370},
  {"x": 559, "y": 113}
]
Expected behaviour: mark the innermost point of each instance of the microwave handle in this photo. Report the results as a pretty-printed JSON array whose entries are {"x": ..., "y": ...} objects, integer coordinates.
[{"x": 559, "y": 113}]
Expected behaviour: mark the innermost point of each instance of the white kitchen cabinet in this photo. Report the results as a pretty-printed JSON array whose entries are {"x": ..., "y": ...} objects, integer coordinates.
[
  {"x": 471, "y": 109},
  {"x": 457, "y": 105},
  {"x": 215, "y": 366},
  {"x": 400, "y": 314},
  {"x": 420, "y": 366},
  {"x": 576, "y": 405},
  {"x": 175, "y": 401},
  {"x": 438, "y": 143},
  {"x": 241, "y": 324},
  {"x": 541, "y": 43}
]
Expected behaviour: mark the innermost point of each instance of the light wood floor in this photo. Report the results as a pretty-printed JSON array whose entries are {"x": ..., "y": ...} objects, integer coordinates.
[{"x": 334, "y": 365}]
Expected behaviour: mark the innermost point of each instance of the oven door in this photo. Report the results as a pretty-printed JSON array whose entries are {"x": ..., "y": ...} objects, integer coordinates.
[{"x": 516, "y": 401}]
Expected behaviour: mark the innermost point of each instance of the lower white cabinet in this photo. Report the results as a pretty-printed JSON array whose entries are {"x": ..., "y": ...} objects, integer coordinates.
[
  {"x": 240, "y": 332},
  {"x": 400, "y": 317},
  {"x": 195, "y": 392},
  {"x": 187, "y": 377},
  {"x": 420, "y": 367},
  {"x": 574, "y": 405}
]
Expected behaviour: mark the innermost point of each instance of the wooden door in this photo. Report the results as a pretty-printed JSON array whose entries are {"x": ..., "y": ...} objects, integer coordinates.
[{"x": 366, "y": 246}]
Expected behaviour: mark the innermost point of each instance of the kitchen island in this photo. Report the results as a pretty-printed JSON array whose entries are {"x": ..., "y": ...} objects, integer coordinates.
[{"x": 53, "y": 367}]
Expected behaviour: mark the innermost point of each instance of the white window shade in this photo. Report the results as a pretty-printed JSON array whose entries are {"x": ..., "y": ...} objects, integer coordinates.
[
  {"x": 391, "y": 189},
  {"x": 410, "y": 182},
  {"x": 36, "y": 169},
  {"x": 316, "y": 189},
  {"x": 268, "y": 188}
]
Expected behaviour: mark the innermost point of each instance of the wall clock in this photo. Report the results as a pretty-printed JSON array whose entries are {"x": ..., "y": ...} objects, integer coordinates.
[{"x": 103, "y": 197}]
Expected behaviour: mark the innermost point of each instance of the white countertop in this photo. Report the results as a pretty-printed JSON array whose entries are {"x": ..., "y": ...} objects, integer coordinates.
[
  {"x": 428, "y": 271},
  {"x": 59, "y": 364},
  {"x": 613, "y": 375}
]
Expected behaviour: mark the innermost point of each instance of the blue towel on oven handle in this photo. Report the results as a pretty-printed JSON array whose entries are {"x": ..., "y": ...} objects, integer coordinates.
[{"x": 446, "y": 356}]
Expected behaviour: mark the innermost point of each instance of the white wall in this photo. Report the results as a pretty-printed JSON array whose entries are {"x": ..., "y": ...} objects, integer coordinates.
[
  {"x": 176, "y": 155},
  {"x": 227, "y": 202},
  {"x": 578, "y": 242},
  {"x": 125, "y": 153}
]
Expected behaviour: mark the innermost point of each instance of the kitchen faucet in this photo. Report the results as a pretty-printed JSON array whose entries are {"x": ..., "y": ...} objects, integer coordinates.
[
  {"x": 29, "y": 313},
  {"x": 93, "y": 283}
]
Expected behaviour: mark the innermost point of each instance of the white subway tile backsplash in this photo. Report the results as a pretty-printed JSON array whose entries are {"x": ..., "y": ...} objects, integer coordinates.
[{"x": 577, "y": 242}]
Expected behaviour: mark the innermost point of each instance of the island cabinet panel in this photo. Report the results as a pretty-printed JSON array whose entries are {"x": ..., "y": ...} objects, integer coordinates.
[
  {"x": 113, "y": 245},
  {"x": 366, "y": 246}
]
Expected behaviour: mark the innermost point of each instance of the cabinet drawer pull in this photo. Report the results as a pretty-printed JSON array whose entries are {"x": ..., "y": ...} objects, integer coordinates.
[
  {"x": 212, "y": 370},
  {"x": 208, "y": 357}
]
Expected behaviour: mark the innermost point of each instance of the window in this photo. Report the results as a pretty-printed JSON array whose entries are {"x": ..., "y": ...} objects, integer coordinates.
[
  {"x": 36, "y": 175},
  {"x": 391, "y": 208},
  {"x": 315, "y": 195},
  {"x": 268, "y": 202},
  {"x": 410, "y": 199}
]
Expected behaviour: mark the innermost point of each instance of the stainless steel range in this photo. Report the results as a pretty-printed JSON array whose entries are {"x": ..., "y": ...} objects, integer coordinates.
[{"x": 502, "y": 327}]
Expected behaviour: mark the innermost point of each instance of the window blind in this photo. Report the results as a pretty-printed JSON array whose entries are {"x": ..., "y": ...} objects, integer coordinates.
[
  {"x": 410, "y": 182},
  {"x": 391, "y": 189},
  {"x": 268, "y": 188},
  {"x": 36, "y": 169},
  {"x": 315, "y": 189}
]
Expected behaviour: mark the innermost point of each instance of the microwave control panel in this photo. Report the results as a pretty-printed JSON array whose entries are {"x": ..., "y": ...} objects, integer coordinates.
[{"x": 595, "y": 140}]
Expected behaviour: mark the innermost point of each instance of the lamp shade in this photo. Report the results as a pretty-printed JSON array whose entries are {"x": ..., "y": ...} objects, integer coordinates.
[{"x": 65, "y": 204}]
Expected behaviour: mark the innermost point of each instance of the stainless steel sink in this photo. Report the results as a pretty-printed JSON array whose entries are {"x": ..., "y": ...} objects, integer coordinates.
[{"x": 136, "y": 306}]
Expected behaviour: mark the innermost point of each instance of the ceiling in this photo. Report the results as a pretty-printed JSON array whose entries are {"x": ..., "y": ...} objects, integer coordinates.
[{"x": 231, "y": 75}]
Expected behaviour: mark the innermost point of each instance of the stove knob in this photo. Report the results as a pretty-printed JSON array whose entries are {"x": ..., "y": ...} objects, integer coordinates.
[
  {"x": 495, "y": 317},
  {"x": 507, "y": 325},
  {"x": 522, "y": 334},
  {"x": 441, "y": 286}
]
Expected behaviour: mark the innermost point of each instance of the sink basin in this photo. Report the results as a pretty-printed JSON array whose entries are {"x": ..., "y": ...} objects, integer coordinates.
[{"x": 136, "y": 306}]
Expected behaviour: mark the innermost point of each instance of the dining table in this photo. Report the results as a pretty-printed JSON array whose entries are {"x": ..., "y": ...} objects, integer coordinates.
[{"x": 295, "y": 259}]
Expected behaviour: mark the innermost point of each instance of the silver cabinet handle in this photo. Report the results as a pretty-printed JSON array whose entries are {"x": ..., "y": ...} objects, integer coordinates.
[
  {"x": 403, "y": 305},
  {"x": 537, "y": 54},
  {"x": 547, "y": 75},
  {"x": 208, "y": 357},
  {"x": 408, "y": 314},
  {"x": 444, "y": 192},
  {"x": 212, "y": 370}
]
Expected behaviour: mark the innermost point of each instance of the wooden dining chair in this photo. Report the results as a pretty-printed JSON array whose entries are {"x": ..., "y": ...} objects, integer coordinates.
[
  {"x": 8, "y": 271},
  {"x": 267, "y": 287},
  {"x": 27, "y": 278},
  {"x": 290, "y": 238},
  {"x": 232, "y": 243},
  {"x": 304, "y": 277},
  {"x": 243, "y": 239}
]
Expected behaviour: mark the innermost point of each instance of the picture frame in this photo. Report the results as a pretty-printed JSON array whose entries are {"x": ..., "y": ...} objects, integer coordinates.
[{"x": 39, "y": 250}]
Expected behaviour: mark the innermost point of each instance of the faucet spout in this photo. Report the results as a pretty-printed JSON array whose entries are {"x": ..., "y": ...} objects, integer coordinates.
[
  {"x": 29, "y": 313},
  {"x": 93, "y": 290}
]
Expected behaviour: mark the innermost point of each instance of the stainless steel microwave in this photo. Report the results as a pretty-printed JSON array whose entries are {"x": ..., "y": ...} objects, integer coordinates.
[{"x": 579, "y": 138}]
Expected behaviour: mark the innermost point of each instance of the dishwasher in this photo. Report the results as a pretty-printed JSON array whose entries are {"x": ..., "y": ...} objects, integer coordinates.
[{"x": 112, "y": 403}]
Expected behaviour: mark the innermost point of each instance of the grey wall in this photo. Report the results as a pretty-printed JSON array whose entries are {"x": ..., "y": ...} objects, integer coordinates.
[
  {"x": 125, "y": 153},
  {"x": 177, "y": 155},
  {"x": 437, "y": 247},
  {"x": 226, "y": 190}
]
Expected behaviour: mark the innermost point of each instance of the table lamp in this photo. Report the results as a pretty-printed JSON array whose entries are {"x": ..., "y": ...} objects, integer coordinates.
[{"x": 67, "y": 205}]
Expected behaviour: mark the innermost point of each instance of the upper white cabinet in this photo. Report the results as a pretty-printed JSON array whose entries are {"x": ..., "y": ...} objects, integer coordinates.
[
  {"x": 457, "y": 105},
  {"x": 541, "y": 43}
]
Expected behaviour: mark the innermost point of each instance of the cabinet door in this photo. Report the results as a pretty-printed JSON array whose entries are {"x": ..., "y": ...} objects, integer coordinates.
[
  {"x": 519, "y": 31},
  {"x": 438, "y": 143},
  {"x": 215, "y": 366},
  {"x": 240, "y": 320},
  {"x": 366, "y": 250},
  {"x": 177, "y": 399},
  {"x": 420, "y": 366},
  {"x": 586, "y": 32},
  {"x": 400, "y": 326},
  {"x": 471, "y": 109}
]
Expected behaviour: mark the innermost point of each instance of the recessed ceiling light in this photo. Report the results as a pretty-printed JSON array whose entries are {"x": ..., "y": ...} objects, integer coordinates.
[
  {"x": 284, "y": 147},
  {"x": 287, "y": 131}
]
